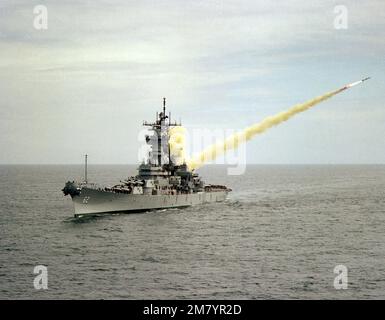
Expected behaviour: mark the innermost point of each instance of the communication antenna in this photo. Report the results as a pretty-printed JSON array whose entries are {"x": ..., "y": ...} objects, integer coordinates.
[{"x": 85, "y": 168}]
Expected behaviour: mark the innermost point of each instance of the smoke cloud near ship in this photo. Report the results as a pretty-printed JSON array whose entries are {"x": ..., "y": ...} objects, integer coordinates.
[{"x": 177, "y": 142}]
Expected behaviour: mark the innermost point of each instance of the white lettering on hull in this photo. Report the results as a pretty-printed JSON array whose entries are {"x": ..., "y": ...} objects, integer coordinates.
[{"x": 107, "y": 202}]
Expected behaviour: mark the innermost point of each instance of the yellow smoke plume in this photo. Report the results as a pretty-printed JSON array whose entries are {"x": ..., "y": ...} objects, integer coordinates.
[
  {"x": 211, "y": 152},
  {"x": 177, "y": 142}
]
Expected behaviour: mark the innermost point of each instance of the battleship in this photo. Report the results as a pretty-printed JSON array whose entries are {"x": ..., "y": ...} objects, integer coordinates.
[{"x": 161, "y": 182}]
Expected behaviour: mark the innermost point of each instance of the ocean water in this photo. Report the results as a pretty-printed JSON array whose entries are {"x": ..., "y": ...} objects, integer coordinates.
[{"x": 278, "y": 236}]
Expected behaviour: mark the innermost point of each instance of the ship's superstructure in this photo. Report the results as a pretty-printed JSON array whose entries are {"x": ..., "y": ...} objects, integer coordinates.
[{"x": 160, "y": 182}]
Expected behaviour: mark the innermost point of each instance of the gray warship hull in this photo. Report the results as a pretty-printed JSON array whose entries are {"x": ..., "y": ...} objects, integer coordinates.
[
  {"x": 93, "y": 201},
  {"x": 164, "y": 179}
]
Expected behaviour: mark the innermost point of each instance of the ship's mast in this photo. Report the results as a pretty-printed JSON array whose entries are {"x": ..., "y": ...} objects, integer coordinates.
[
  {"x": 164, "y": 106},
  {"x": 168, "y": 142},
  {"x": 161, "y": 127},
  {"x": 161, "y": 119},
  {"x": 85, "y": 168}
]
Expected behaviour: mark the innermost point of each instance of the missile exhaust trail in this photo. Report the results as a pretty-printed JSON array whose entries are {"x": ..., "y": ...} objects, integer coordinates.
[{"x": 211, "y": 152}]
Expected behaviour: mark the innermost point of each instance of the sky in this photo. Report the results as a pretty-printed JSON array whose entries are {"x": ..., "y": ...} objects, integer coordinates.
[{"x": 86, "y": 83}]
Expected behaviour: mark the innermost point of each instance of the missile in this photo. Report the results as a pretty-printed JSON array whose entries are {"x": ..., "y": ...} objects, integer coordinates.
[{"x": 354, "y": 83}]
